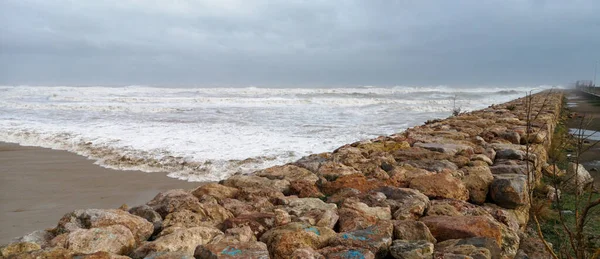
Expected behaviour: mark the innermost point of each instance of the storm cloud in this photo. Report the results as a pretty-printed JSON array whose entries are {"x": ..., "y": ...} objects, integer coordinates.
[{"x": 298, "y": 43}]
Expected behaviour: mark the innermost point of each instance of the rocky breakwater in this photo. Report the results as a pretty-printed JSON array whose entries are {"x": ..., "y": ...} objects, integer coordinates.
[{"x": 453, "y": 188}]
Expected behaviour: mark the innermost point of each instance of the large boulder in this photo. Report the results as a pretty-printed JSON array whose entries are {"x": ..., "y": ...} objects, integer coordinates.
[
  {"x": 54, "y": 253},
  {"x": 477, "y": 180},
  {"x": 405, "y": 203},
  {"x": 476, "y": 247},
  {"x": 412, "y": 230},
  {"x": 225, "y": 250},
  {"x": 150, "y": 215},
  {"x": 509, "y": 190},
  {"x": 253, "y": 181},
  {"x": 577, "y": 178},
  {"x": 218, "y": 191},
  {"x": 311, "y": 210},
  {"x": 411, "y": 249},
  {"x": 258, "y": 222},
  {"x": 18, "y": 248},
  {"x": 305, "y": 189},
  {"x": 282, "y": 241},
  {"x": 441, "y": 186},
  {"x": 288, "y": 172},
  {"x": 115, "y": 239},
  {"x": 97, "y": 218},
  {"x": 376, "y": 238},
  {"x": 345, "y": 252},
  {"x": 459, "y": 227},
  {"x": 450, "y": 149},
  {"x": 173, "y": 200},
  {"x": 355, "y": 215},
  {"x": 183, "y": 240}
]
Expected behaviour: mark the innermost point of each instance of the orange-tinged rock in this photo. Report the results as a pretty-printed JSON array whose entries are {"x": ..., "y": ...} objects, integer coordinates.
[
  {"x": 441, "y": 186},
  {"x": 459, "y": 227}
]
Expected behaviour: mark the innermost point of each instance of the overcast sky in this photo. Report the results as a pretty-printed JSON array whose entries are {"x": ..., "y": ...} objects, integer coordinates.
[{"x": 298, "y": 43}]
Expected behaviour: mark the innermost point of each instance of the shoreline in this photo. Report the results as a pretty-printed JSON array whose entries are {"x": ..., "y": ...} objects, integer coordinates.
[
  {"x": 39, "y": 185},
  {"x": 589, "y": 106}
]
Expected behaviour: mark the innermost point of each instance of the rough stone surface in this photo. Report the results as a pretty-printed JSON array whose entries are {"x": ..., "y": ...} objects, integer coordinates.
[
  {"x": 405, "y": 203},
  {"x": 17, "y": 248},
  {"x": 115, "y": 239},
  {"x": 458, "y": 227},
  {"x": 288, "y": 172},
  {"x": 344, "y": 252},
  {"x": 441, "y": 186},
  {"x": 173, "y": 200},
  {"x": 477, "y": 180},
  {"x": 376, "y": 238},
  {"x": 412, "y": 230},
  {"x": 251, "y": 181},
  {"x": 226, "y": 250},
  {"x": 577, "y": 178},
  {"x": 509, "y": 190},
  {"x": 150, "y": 215},
  {"x": 96, "y": 218},
  {"x": 405, "y": 249},
  {"x": 284, "y": 240},
  {"x": 183, "y": 240},
  {"x": 218, "y": 191}
]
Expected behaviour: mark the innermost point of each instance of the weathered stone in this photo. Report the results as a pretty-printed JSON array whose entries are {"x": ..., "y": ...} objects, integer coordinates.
[
  {"x": 260, "y": 195},
  {"x": 288, "y": 172},
  {"x": 218, "y": 191},
  {"x": 458, "y": 227},
  {"x": 284, "y": 240},
  {"x": 313, "y": 162},
  {"x": 433, "y": 165},
  {"x": 332, "y": 170},
  {"x": 173, "y": 200},
  {"x": 509, "y": 190},
  {"x": 306, "y": 253},
  {"x": 344, "y": 252},
  {"x": 511, "y": 136},
  {"x": 412, "y": 230},
  {"x": 477, "y": 180},
  {"x": 577, "y": 178},
  {"x": 311, "y": 210},
  {"x": 355, "y": 215},
  {"x": 54, "y": 253},
  {"x": 241, "y": 234},
  {"x": 258, "y": 222},
  {"x": 442, "y": 186},
  {"x": 40, "y": 237},
  {"x": 150, "y": 215},
  {"x": 376, "y": 238},
  {"x": 225, "y": 250},
  {"x": 185, "y": 219},
  {"x": 252, "y": 181},
  {"x": 533, "y": 247},
  {"x": 237, "y": 207},
  {"x": 182, "y": 240},
  {"x": 476, "y": 247},
  {"x": 356, "y": 181},
  {"x": 378, "y": 212},
  {"x": 484, "y": 158},
  {"x": 405, "y": 249},
  {"x": 169, "y": 255},
  {"x": 553, "y": 171},
  {"x": 96, "y": 218},
  {"x": 405, "y": 203},
  {"x": 450, "y": 149},
  {"x": 17, "y": 248},
  {"x": 115, "y": 239},
  {"x": 103, "y": 255},
  {"x": 305, "y": 189},
  {"x": 282, "y": 217}
]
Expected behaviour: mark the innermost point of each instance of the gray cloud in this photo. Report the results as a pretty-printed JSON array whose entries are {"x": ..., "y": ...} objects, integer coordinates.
[{"x": 298, "y": 43}]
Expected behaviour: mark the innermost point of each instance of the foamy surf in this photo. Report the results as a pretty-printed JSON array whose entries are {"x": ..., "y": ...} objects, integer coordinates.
[{"x": 207, "y": 134}]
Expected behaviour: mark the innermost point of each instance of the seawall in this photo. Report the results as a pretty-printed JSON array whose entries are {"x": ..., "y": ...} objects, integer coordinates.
[{"x": 453, "y": 186}]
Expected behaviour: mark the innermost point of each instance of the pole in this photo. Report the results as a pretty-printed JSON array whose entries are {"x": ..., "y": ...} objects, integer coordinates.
[{"x": 595, "y": 71}]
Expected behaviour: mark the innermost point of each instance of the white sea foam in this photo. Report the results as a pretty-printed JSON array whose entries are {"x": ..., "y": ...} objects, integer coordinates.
[{"x": 200, "y": 134}]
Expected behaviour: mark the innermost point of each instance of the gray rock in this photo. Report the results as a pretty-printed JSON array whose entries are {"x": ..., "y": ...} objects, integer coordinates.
[
  {"x": 405, "y": 249},
  {"x": 509, "y": 190}
]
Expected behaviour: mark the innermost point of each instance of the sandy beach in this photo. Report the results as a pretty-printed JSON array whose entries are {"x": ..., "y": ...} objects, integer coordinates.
[{"x": 38, "y": 186}]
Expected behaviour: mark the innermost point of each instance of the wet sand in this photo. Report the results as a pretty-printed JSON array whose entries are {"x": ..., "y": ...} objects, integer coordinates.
[
  {"x": 588, "y": 106},
  {"x": 38, "y": 186}
]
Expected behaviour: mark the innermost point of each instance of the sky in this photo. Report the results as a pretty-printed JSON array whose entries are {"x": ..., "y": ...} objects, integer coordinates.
[{"x": 298, "y": 43}]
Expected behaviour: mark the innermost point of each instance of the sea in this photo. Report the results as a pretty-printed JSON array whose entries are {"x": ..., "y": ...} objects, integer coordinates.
[{"x": 208, "y": 134}]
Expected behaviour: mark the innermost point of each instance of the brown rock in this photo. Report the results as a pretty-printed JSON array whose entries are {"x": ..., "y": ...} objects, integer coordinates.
[
  {"x": 442, "y": 186},
  {"x": 509, "y": 190},
  {"x": 97, "y": 218},
  {"x": 225, "y": 250},
  {"x": 218, "y": 191},
  {"x": 258, "y": 222},
  {"x": 173, "y": 200},
  {"x": 288, "y": 172},
  {"x": 102, "y": 255},
  {"x": 54, "y": 253},
  {"x": 115, "y": 239},
  {"x": 182, "y": 240},
  {"x": 284, "y": 240},
  {"x": 405, "y": 203},
  {"x": 344, "y": 252},
  {"x": 252, "y": 181},
  {"x": 17, "y": 248},
  {"x": 305, "y": 189},
  {"x": 356, "y": 181},
  {"x": 477, "y": 180},
  {"x": 458, "y": 227},
  {"x": 412, "y": 230},
  {"x": 376, "y": 238},
  {"x": 332, "y": 170}
]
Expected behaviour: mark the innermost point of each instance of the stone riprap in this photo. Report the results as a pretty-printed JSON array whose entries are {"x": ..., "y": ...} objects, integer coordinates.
[{"x": 450, "y": 188}]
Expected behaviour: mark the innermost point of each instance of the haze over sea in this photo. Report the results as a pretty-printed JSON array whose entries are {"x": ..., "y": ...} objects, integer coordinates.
[{"x": 207, "y": 134}]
